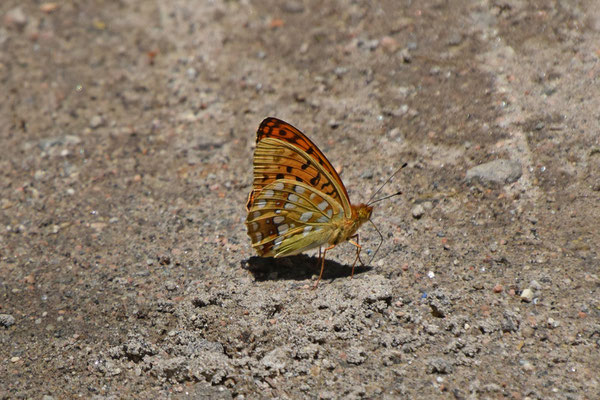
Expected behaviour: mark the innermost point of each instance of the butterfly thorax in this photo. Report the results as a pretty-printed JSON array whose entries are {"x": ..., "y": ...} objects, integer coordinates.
[{"x": 360, "y": 214}]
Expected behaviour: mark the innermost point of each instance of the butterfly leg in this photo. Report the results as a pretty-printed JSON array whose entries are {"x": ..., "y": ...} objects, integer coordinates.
[
  {"x": 322, "y": 264},
  {"x": 319, "y": 259},
  {"x": 358, "y": 249}
]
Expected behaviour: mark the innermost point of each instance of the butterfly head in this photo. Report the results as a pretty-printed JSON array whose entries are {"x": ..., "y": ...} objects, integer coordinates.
[{"x": 363, "y": 213}]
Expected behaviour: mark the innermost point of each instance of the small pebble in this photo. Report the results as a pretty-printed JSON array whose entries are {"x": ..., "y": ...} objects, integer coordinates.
[
  {"x": 48, "y": 8},
  {"x": 498, "y": 288},
  {"x": 15, "y": 359},
  {"x": 389, "y": 44},
  {"x": 7, "y": 320},
  {"x": 455, "y": 39},
  {"x": 395, "y": 134},
  {"x": 527, "y": 366},
  {"x": 371, "y": 44},
  {"x": 192, "y": 73},
  {"x": 96, "y": 121},
  {"x": 293, "y": 7},
  {"x": 527, "y": 332},
  {"x": 527, "y": 295},
  {"x": 552, "y": 323},
  {"x": 497, "y": 171},
  {"x": 418, "y": 211},
  {"x": 535, "y": 285},
  {"x": 16, "y": 18},
  {"x": 368, "y": 174}
]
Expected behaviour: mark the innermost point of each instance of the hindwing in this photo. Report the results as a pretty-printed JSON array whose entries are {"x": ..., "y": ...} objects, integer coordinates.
[{"x": 288, "y": 217}]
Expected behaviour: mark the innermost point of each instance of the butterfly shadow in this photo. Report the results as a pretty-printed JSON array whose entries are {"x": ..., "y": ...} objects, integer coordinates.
[{"x": 300, "y": 267}]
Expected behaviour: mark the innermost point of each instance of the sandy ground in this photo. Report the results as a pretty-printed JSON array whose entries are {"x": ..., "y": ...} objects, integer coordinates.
[{"x": 126, "y": 137}]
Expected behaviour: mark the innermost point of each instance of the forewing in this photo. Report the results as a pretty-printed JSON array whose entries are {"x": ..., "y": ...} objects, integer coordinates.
[
  {"x": 288, "y": 217},
  {"x": 283, "y": 152}
]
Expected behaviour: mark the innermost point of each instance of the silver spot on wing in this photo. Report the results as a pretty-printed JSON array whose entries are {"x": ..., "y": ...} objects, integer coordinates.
[
  {"x": 323, "y": 205},
  {"x": 306, "y": 216},
  {"x": 282, "y": 229}
]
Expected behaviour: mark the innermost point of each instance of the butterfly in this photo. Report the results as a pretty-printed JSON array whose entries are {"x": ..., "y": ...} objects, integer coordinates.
[{"x": 298, "y": 201}]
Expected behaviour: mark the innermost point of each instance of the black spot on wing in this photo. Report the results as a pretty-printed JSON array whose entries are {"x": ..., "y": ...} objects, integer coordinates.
[{"x": 315, "y": 179}]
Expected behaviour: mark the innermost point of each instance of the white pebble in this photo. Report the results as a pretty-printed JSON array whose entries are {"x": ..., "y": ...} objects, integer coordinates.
[{"x": 527, "y": 295}]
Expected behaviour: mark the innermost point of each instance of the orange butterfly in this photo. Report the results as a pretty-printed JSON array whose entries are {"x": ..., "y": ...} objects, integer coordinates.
[{"x": 298, "y": 201}]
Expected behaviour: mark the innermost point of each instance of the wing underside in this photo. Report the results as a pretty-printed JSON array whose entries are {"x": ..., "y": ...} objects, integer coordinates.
[{"x": 288, "y": 217}]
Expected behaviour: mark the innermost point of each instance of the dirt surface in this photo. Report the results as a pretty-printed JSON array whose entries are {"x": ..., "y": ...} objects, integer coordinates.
[{"x": 127, "y": 132}]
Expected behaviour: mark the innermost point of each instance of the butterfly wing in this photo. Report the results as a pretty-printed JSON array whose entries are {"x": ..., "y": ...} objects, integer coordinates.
[
  {"x": 289, "y": 217},
  {"x": 283, "y": 152}
]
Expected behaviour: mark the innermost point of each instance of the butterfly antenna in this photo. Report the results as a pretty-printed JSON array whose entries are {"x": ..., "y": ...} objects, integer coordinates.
[
  {"x": 380, "y": 242},
  {"x": 386, "y": 197},
  {"x": 371, "y": 201},
  {"x": 385, "y": 183}
]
